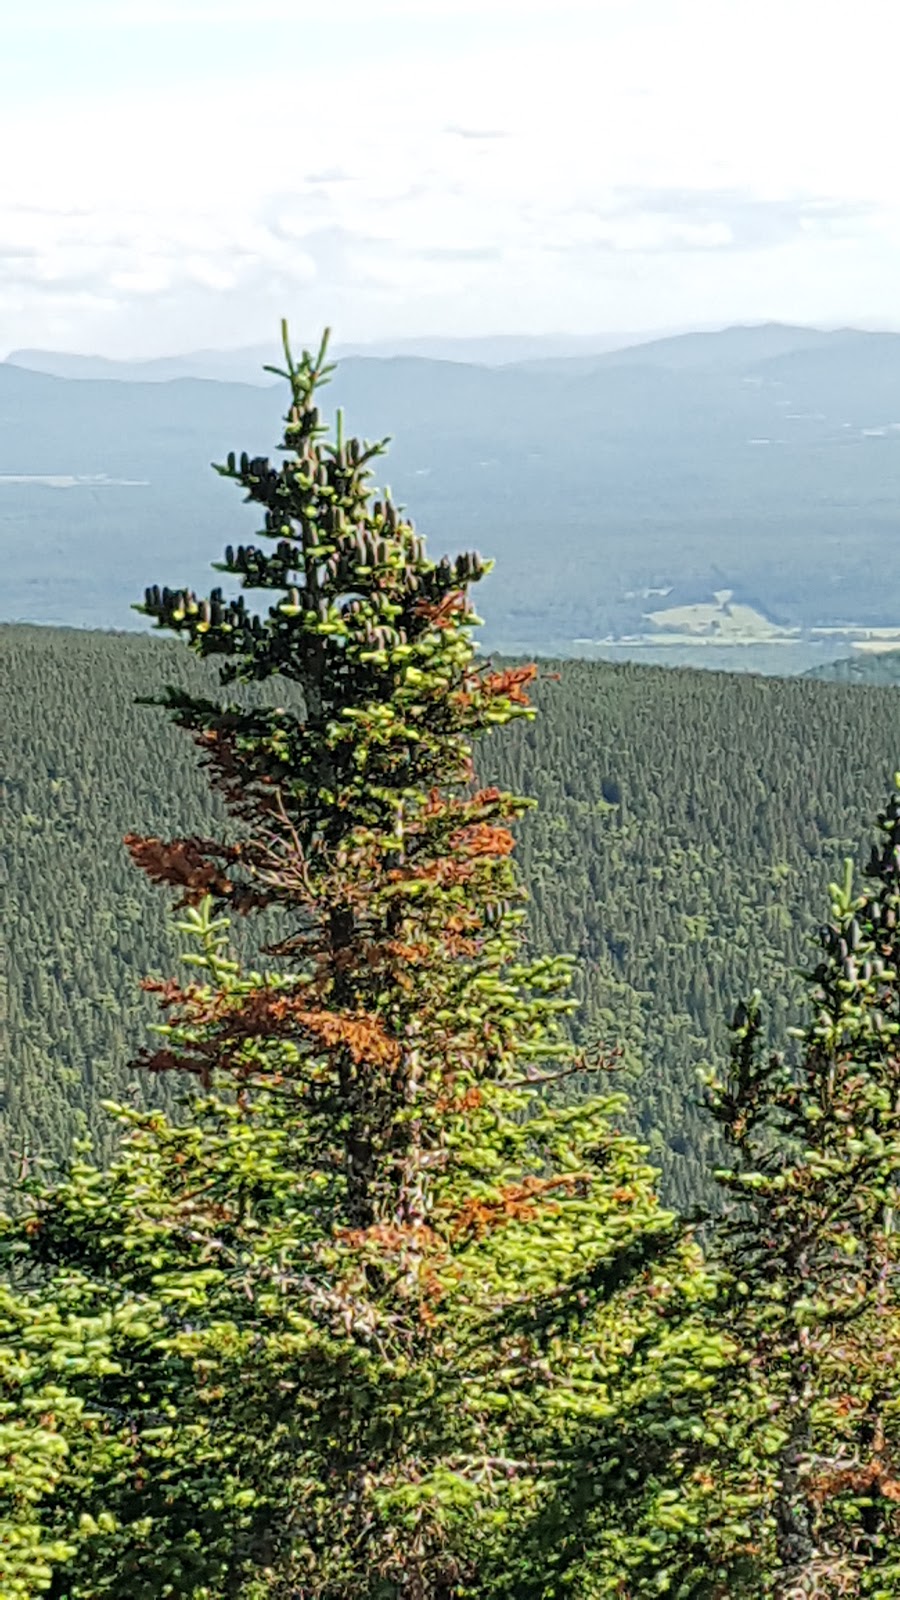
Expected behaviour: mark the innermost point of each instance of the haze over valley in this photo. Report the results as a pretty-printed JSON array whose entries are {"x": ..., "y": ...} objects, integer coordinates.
[{"x": 728, "y": 497}]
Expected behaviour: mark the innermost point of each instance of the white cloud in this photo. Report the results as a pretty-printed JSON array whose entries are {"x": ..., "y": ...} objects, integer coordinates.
[{"x": 564, "y": 178}]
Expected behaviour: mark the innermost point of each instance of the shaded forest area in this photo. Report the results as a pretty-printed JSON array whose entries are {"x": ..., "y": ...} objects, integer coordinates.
[{"x": 688, "y": 824}]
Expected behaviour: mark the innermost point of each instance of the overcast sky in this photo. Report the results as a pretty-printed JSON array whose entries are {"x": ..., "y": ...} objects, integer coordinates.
[{"x": 177, "y": 175}]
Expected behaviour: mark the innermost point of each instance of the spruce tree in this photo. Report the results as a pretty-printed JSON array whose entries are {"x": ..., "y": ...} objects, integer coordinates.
[
  {"x": 811, "y": 1244},
  {"x": 373, "y": 1319}
]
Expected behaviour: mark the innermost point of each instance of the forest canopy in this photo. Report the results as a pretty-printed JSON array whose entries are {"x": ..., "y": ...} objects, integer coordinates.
[{"x": 686, "y": 827}]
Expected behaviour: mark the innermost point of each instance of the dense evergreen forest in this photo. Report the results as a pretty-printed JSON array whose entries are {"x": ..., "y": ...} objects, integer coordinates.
[{"x": 688, "y": 824}]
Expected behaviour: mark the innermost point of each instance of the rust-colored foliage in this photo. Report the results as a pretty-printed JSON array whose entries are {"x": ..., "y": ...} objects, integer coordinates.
[
  {"x": 483, "y": 840},
  {"x": 488, "y": 797},
  {"x": 199, "y": 1062},
  {"x": 396, "y": 950},
  {"x": 510, "y": 684},
  {"x": 441, "y": 613},
  {"x": 233, "y": 775},
  {"x": 362, "y": 1036},
  {"x": 392, "y": 1238},
  {"x": 268, "y": 1013},
  {"x": 516, "y": 1202},
  {"x": 181, "y": 862},
  {"x": 457, "y": 1105},
  {"x": 444, "y": 805},
  {"x": 444, "y": 873},
  {"x": 171, "y": 992},
  {"x": 876, "y": 1474}
]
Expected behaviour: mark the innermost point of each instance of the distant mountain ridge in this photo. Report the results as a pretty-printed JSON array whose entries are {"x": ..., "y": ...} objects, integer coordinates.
[
  {"x": 717, "y": 349},
  {"x": 568, "y": 355},
  {"x": 245, "y": 365},
  {"x": 703, "y": 348},
  {"x": 619, "y": 493}
]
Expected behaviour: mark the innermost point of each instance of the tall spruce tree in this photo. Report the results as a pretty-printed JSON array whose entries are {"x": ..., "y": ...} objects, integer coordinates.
[
  {"x": 373, "y": 1320},
  {"x": 812, "y": 1246}
]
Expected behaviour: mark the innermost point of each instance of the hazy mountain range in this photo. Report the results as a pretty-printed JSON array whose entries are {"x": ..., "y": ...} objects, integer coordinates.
[
  {"x": 718, "y": 497},
  {"x": 246, "y": 365}
]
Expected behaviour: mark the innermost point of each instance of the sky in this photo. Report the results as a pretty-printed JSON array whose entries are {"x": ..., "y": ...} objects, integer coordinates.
[{"x": 181, "y": 175}]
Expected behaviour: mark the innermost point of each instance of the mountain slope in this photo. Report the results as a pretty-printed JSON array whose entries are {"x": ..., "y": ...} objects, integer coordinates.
[
  {"x": 714, "y": 350},
  {"x": 688, "y": 826}
]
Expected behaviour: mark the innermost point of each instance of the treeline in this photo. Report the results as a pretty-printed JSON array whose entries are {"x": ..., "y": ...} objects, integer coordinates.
[
  {"x": 881, "y": 667},
  {"x": 687, "y": 824}
]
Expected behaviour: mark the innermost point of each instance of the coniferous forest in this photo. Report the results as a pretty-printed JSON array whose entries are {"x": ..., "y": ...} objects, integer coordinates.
[
  {"x": 686, "y": 827},
  {"x": 504, "y": 1204}
]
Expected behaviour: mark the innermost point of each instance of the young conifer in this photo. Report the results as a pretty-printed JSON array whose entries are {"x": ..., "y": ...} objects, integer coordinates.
[
  {"x": 360, "y": 821},
  {"x": 812, "y": 1246}
]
